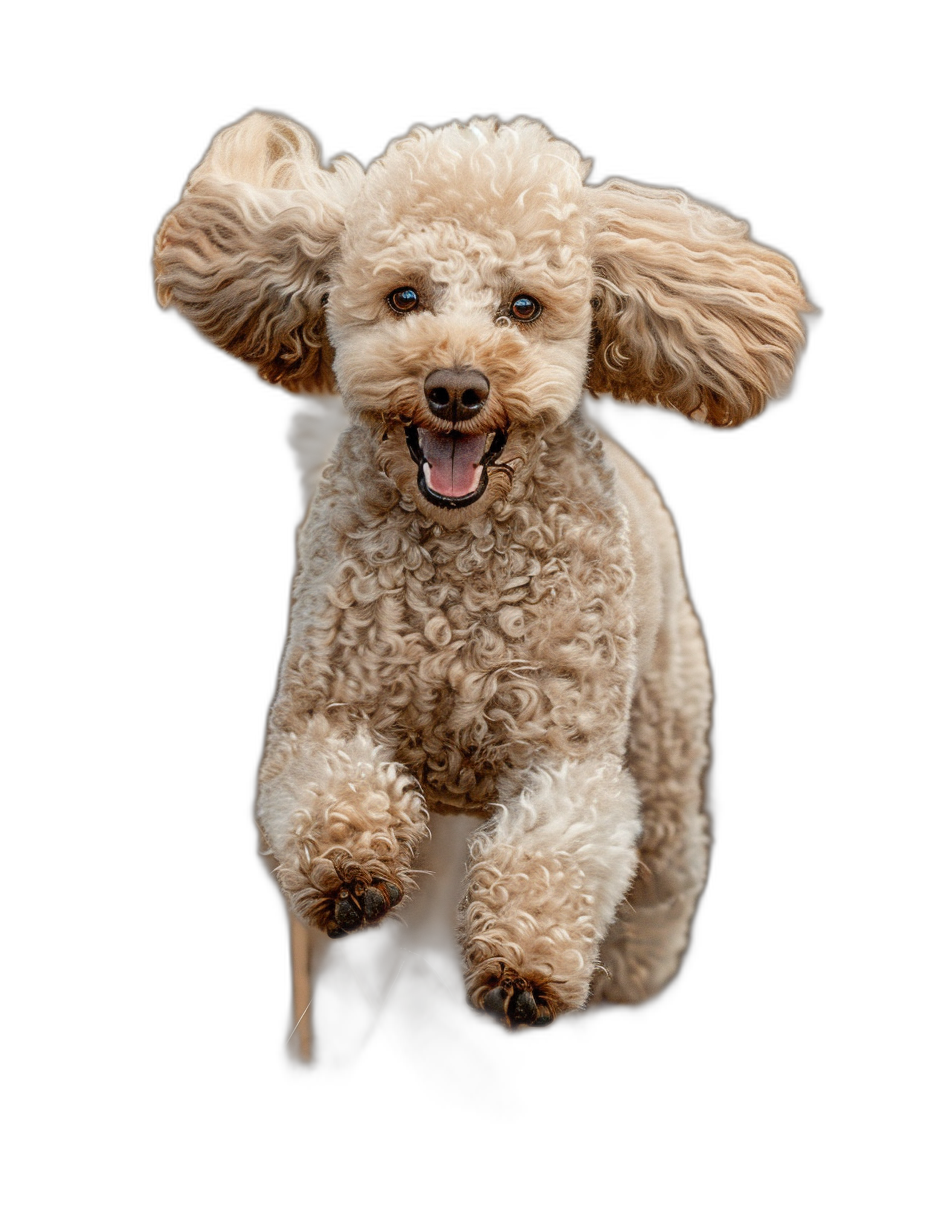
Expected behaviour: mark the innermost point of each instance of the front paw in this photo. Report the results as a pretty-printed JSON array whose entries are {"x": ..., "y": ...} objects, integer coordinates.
[
  {"x": 517, "y": 1000},
  {"x": 341, "y": 894}
]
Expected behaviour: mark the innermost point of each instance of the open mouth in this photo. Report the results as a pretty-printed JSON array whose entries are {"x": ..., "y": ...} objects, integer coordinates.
[{"x": 453, "y": 465}]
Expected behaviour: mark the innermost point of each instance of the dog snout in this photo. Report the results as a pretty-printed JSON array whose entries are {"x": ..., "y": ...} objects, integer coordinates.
[{"x": 456, "y": 393}]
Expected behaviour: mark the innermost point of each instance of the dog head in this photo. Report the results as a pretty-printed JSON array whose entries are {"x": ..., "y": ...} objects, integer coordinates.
[{"x": 463, "y": 291}]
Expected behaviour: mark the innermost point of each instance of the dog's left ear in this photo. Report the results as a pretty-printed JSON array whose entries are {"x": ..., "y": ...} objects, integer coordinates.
[
  {"x": 245, "y": 253},
  {"x": 689, "y": 313}
]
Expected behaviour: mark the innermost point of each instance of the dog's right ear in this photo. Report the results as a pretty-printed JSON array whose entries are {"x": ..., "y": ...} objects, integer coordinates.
[{"x": 245, "y": 252}]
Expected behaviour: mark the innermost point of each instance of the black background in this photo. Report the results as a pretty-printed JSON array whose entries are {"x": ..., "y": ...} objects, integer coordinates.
[{"x": 754, "y": 1007}]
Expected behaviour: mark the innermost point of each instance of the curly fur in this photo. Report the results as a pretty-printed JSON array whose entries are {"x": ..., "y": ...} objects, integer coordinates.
[{"x": 531, "y": 656}]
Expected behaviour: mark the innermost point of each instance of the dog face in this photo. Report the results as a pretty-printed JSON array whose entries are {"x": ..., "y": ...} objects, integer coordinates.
[
  {"x": 459, "y": 309},
  {"x": 463, "y": 291}
]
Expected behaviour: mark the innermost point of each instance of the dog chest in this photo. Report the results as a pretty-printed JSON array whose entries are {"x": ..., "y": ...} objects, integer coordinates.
[{"x": 469, "y": 652}]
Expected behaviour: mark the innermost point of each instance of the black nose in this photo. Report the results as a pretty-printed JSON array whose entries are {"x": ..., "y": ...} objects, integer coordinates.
[{"x": 456, "y": 393}]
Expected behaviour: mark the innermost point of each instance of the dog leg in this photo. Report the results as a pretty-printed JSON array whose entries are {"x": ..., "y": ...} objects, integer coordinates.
[
  {"x": 343, "y": 821},
  {"x": 309, "y": 952},
  {"x": 667, "y": 756},
  {"x": 545, "y": 878},
  {"x": 301, "y": 960}
]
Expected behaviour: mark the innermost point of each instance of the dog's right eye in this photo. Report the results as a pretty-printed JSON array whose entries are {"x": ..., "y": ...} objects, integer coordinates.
[{"x": 403, "y": 299}]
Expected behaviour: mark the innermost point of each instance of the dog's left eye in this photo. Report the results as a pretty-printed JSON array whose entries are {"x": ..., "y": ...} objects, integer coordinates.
[
  {"x": 403, "y": 299},
  {"x": 524, "y": 308}
]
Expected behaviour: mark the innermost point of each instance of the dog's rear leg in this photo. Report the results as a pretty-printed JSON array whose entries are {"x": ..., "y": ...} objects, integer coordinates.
[
  {"x": 545, "y": 877},
  {"x": 667, "y": 755},
  {"x": 301, "y": 959},
  {"x": 309, "y": 954}
]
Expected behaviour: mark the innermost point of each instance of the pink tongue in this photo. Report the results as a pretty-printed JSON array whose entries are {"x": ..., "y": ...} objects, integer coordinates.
[{"x": 453, "y": 461}]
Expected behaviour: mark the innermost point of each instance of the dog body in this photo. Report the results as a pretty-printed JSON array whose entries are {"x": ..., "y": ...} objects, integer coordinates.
[{"x": 489, "y": 611}]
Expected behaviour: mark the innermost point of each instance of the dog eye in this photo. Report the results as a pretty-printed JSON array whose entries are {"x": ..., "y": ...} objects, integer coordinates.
[
  {"x": 524, "y": 308},
  {"x": 403, "y": 299}
]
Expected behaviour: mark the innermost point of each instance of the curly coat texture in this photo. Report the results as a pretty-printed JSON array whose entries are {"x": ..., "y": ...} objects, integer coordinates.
[{"x": 529, "y": 653}]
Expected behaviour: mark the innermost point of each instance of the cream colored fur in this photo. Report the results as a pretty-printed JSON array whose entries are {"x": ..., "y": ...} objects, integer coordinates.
[{"x": 531, "y": 656}]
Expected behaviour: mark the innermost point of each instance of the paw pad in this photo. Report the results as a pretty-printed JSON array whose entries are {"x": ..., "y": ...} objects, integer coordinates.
[
  {"x": 518, "y": 1003},
  {"x": 365, "y": 900}
]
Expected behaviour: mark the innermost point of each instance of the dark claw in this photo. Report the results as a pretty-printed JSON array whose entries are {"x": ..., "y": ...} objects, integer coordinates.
[
  {"x": 495, "y": 1002},
  {"x": 347, "y": 915},
  {"x": 522, "y": 1007}
]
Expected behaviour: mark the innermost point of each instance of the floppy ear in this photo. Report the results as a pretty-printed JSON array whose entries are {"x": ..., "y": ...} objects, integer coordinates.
[
  {"x": 690, "y": 313},
  {"x": 244, "y": 254}
]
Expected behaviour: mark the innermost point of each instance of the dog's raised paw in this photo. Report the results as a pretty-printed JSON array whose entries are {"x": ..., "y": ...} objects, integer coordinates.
[
  {"x": 357, "y": 905},
  {"x": 346, "y": 895},
  {"x": 519, "y": 1001}
]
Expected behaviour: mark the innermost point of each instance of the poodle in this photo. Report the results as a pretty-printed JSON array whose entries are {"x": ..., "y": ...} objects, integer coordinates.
[{"x": 489, "y": 611}]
